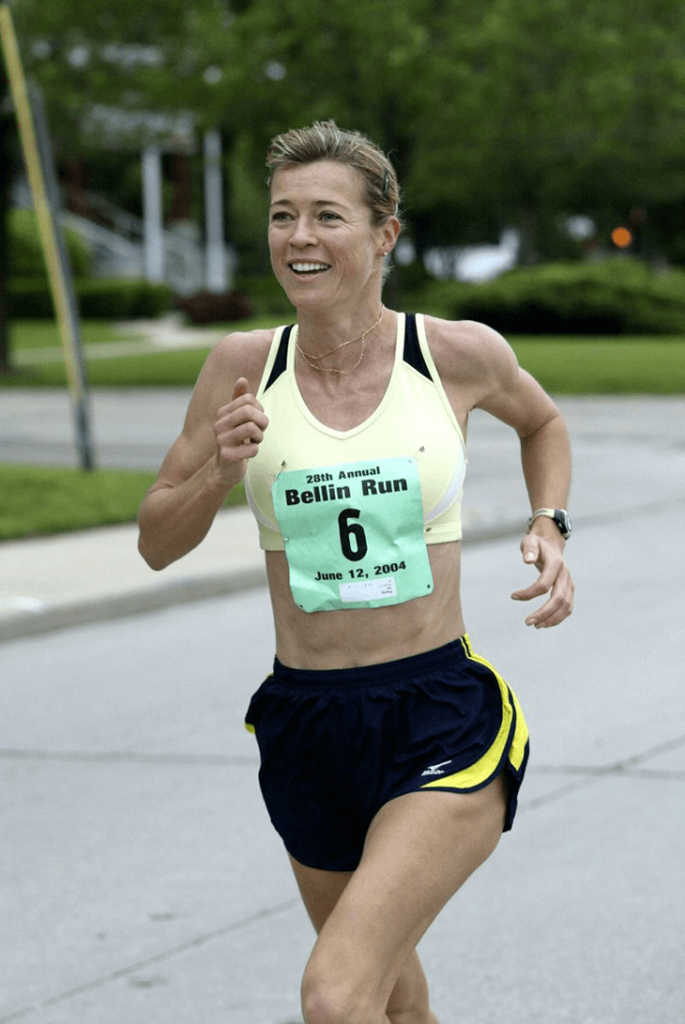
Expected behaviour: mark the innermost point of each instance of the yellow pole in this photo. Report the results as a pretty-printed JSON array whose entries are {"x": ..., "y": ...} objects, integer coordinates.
[
  {"x": 34, "y": 169},
  {"x": 66, "y": 315}
]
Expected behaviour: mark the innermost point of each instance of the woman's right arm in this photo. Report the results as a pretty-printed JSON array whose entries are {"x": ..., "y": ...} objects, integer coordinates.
[{"x": 222, "y": 429}]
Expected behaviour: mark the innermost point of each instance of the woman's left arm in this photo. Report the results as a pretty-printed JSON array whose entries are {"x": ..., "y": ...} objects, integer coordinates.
[
  {"x": 506, "y": 391},
  {"x": 546, "y": 459}
]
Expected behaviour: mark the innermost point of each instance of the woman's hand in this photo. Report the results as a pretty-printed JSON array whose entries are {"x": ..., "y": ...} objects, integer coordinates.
[
  {"x": 239, "y": 430},
  {"x": 554, "y": 579}
]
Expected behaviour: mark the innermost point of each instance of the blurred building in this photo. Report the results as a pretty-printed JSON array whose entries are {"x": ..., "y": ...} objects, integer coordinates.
[{"x": 147, "y": 245}]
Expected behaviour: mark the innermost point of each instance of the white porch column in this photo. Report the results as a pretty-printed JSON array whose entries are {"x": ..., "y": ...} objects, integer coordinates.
[
  {"x": 216, "y": 278},
  {"x": 152, "y": 214}
]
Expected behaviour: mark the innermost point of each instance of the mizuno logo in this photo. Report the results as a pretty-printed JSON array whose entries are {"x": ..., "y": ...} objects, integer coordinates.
[{"x": 436, "y": 769}]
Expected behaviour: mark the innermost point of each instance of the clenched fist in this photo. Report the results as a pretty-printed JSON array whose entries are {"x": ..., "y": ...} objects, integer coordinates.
[{"x": 239, "y": 429}]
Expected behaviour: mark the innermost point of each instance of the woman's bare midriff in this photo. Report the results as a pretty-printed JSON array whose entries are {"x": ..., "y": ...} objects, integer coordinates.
[{"x": 367, "y": 636}]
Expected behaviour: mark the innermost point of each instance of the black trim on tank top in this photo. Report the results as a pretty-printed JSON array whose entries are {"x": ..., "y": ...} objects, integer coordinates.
[
  {"x": 281, "y": 360},
  {"x": 412, "y": 349}
]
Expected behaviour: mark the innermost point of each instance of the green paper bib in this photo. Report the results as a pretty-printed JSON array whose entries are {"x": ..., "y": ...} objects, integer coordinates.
[{"x": 353, "y": 534}]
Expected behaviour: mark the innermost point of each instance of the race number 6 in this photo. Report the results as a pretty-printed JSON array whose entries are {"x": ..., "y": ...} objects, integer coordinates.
[{"x": 352, "y": 531}]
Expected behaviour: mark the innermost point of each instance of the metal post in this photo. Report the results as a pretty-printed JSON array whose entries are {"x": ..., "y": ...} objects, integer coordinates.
[
  {"x": 80, "y": 392},
  {"x": 39, "y": 162}
]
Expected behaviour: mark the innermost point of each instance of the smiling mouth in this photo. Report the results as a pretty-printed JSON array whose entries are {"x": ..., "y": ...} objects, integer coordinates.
[{"x": 303, "y": 269}]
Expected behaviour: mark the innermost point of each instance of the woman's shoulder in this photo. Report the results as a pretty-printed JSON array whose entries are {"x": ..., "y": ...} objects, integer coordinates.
[
  {"x": 469, "y": 352},
  {"x": 465, "y": 336},
  {"x": 246, "y": 344},
  {"x": 241, "y": 354}
]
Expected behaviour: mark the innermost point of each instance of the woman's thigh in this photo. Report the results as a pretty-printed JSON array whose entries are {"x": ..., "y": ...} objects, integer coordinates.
[
  {"x": 320, "y": 892},
  {"x": 419, "y": 850}
]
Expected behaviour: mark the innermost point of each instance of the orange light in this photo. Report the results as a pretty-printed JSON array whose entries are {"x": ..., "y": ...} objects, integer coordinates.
[{"x": 621, "y": 237}]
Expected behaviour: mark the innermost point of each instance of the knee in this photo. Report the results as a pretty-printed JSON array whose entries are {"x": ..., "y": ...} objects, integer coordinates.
[
  {"x": 321, "y": 1005},
  {"x": 331, "y": 999}
]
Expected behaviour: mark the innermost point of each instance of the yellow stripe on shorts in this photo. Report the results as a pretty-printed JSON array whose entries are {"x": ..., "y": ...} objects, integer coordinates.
[{"x": 477, "y": 774}]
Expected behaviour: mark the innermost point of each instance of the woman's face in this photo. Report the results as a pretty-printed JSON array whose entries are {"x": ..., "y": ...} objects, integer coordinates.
[{"x": 324, "y": 247}]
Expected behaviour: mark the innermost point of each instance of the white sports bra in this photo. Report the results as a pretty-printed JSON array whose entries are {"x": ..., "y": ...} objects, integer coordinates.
[{"x": 414, "y": 419}]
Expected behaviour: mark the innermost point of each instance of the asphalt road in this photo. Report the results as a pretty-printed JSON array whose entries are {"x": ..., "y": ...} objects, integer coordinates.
[
  {"x": 142, "y": 881},
  {"x": 131, "y": 429}
]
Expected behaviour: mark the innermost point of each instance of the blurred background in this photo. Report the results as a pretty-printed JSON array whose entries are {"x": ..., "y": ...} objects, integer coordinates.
[
  {"x": 523, "y": 133},
  {"x": 540, "y": 147}
]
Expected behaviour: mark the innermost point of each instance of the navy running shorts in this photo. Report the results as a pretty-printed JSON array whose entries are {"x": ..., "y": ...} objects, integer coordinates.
[{"x": 336, "y": 745}]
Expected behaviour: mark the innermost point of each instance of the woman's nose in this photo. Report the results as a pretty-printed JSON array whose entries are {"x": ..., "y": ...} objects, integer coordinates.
[{"x": 303, "y": 232}]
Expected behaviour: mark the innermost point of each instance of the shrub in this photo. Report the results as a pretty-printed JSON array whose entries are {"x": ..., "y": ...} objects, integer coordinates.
[
  {"x": 29, "y": 299},
  {"x": 98, "y": 299},
  {"x": 265, "y": 293},
  {"x": 615, "y": 296},
  {"x": 439, "y": 298},
  {"x": 108, "y": 299},
  {"x": 26, "y": 248},
  {"x": 208, "y": 308}
]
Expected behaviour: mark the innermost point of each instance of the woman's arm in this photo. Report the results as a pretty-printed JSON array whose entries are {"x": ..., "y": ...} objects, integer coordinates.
[
  {"x": 482, "y": 371},
  {"x": 222, "y": 429},
  {"x": 546, "y": 462}
]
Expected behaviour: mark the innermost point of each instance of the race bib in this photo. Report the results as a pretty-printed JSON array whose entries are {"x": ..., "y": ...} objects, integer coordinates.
[{"x": 353, "y": 534}]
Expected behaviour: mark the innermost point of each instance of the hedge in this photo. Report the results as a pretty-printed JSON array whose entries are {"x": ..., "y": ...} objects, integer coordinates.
[
  {"x": 26, "y": 248},
  {"x": 29, "y": 296},
  {"x": 265, "y": 294},
  {"x": 619, "y": 295},
  {"x": 98, "y": 299}
]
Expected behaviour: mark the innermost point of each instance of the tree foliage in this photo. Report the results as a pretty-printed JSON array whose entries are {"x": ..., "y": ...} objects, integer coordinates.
[{"x": 496, "y": 112}]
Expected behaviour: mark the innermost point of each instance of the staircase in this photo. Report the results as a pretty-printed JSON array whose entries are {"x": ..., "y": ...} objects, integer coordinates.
[{"x": 116, "y": 241}]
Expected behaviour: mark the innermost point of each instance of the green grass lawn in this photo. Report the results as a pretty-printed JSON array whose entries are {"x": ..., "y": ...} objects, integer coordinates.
[
  {"x": 563, "y": 365},
  {"x": 147, "y": 370},
  {"x": 38, "y": 500},
  {"x": 32, "y": 334},
  {"x": 594, "y": 366},
  {"x": 163, "y": 368},
  {"x": 43, "y": 500}
]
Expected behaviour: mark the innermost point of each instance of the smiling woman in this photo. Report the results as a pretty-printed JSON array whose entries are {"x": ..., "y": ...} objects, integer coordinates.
[
  {"x": 321, "y": 231},
  {"x": 381, "y": 733}
]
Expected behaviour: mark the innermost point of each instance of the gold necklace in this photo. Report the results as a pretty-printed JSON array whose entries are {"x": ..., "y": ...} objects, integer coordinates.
[{"x": 313, "y": 360}]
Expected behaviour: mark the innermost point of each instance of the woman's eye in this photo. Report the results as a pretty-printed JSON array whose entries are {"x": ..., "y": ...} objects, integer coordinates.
[{"x": 329, "y": 215}]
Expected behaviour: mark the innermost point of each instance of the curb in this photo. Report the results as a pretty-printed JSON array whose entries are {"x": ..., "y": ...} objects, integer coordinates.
[
  {"x": 23, "y": 624},
  {"x": 121, "y": 606}
]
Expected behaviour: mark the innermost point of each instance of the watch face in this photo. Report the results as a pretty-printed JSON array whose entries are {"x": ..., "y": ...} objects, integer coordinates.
[{"x": 563, "y": 520}]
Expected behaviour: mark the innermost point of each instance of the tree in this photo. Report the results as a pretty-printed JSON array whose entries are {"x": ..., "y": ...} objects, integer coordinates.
[
  {"x": 496, "y": 112},
  {"x": 499, "y": 111},
  {"x": 123, "y": 56}
]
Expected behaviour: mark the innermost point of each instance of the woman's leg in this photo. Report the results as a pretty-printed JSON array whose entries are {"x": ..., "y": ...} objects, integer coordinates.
[
  {"x": 320, "y": 891},
  {"x": 419, "y": 850}
]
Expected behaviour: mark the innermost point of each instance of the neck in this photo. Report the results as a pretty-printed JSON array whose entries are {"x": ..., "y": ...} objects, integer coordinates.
[
  {"x": 332, "y": 362},
  {"x": 320, "y": 330}
]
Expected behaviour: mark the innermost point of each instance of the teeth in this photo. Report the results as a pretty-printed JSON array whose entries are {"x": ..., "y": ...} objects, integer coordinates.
[{"x": 303, "y": 268}]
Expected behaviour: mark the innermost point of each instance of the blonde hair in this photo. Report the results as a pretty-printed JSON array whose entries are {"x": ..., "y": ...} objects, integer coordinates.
[{"x": 325, "y": 141}]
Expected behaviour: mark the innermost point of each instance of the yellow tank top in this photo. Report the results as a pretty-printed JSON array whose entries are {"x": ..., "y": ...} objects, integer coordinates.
[{"x": 413, "y": 419}]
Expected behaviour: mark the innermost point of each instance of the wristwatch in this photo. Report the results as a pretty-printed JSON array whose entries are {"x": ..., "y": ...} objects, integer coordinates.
[{"x": 560, "y": 517}]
